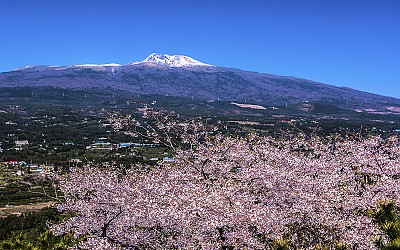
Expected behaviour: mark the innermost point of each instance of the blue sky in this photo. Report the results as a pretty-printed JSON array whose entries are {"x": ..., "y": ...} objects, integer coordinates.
[{"x": 345, "y": 43}]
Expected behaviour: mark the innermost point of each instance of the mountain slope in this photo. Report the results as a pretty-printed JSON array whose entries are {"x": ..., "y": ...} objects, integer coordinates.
[{"x": 183, "y": 76}]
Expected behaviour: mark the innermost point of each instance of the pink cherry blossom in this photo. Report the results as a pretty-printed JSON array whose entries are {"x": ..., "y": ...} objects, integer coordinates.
[{"x": 239, "y": 191}]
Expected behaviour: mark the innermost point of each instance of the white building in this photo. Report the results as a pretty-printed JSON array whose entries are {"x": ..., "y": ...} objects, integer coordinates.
[{"x": 20, "y": 143}]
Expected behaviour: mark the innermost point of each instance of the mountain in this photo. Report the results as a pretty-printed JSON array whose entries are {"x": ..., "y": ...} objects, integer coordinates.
[{"x": 185, "y": 77}]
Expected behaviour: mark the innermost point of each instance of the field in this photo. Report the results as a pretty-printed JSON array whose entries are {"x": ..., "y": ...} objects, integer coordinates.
[{"x": 20, "y": 209}]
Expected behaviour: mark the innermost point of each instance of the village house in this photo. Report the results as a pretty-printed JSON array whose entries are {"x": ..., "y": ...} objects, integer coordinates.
[
  {"x": 101, "y": 146},
  {"x": 125, "y": 145},
  {"x": 20, "y": 173},
  {"x": 20, "y": 143},
  {"x": 16, "y": 162},
  {"x": 168, "y": 159}
]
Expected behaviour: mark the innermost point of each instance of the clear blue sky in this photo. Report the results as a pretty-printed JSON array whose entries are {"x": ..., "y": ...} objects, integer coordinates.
[{"x": 341, "y": 42}]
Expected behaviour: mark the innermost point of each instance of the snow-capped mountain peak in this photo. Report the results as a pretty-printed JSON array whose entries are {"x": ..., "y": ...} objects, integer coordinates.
[{"x": 173, "y": 61}]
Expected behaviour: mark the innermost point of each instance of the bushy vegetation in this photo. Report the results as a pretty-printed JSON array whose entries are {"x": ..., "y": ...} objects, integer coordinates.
[
  {"x": 35, "y": 220},
  {"x": 30, "y": 231}
]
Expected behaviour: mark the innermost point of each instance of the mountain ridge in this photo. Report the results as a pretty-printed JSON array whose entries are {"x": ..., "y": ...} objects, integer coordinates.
[
  {"x": 162, "y": 75},
  {"x": 155, "y": 58}
]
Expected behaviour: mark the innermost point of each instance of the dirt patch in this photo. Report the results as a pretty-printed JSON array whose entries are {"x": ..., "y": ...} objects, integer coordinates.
[{"x": 8, "y": 210}]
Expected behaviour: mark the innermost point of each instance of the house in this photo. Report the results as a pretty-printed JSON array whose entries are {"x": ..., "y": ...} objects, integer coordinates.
[
  {"x": 13, "y": 162},
  {"x": 20, "y": 143},
  {"x": 37, "y": 170},
  {"x": 11, "y": 123},
  {"x": 75, "y": 160},
  {"x": 125, "y": 145},
  {"x": 20, "y": 173},
  {"x": 168, "y": 159},
  {"x": 101, "y": 146},
  {"x": 145, "y": 145},
  {"x": 16, "y": 162},
  {"x": 103, "y": 139}
]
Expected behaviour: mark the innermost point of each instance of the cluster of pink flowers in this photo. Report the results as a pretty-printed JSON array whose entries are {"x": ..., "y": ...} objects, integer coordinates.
[{"x": 243, "y": 192}]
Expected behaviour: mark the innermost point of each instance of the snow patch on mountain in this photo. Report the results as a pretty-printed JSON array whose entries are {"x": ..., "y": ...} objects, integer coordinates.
[
  {"x": 30, "y": 67},
  {"x": 251, "y": 106},
  {"x": 173, "y": 61},
  {"x": 99, "y": 65},
  {"x": 92, "y": 66}
]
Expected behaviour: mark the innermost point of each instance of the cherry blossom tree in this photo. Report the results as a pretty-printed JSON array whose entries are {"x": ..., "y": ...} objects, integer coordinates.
[{"x": 227, "y": 191}]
